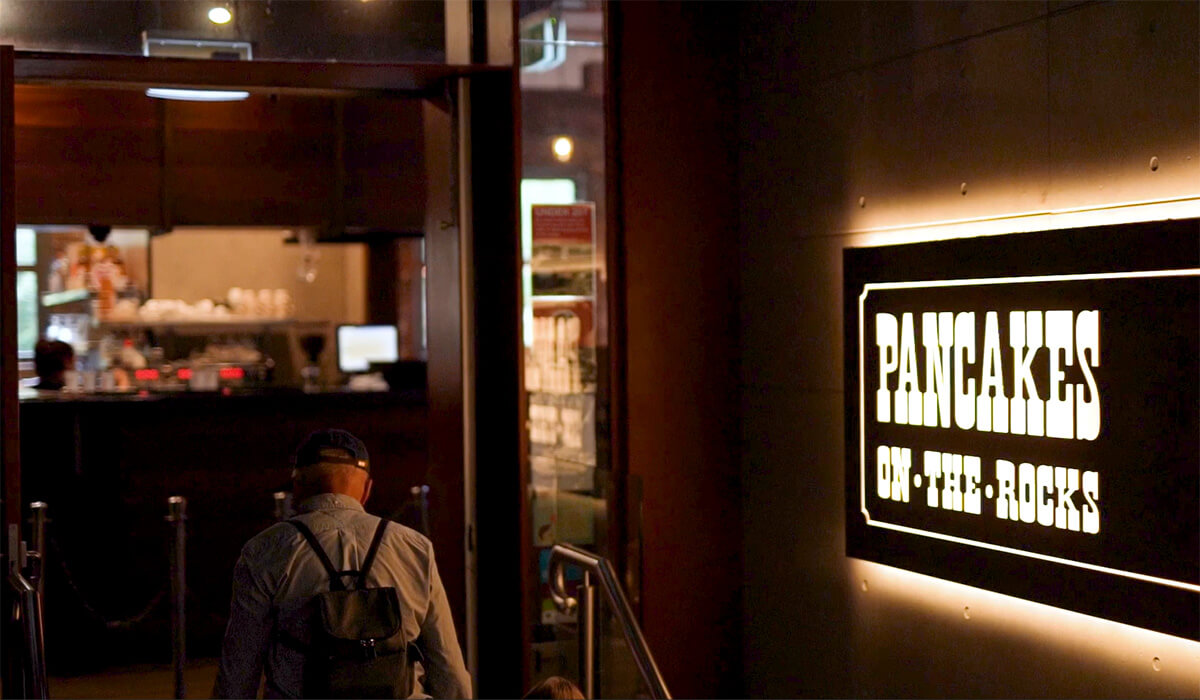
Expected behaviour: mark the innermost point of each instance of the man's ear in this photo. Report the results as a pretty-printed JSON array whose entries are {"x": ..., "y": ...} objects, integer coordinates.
[{"x": 366, "y": 491}]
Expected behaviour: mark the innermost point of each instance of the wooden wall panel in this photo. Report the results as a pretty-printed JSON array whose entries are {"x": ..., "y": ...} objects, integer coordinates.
[
  {"x": 384, "y": 183},
  {"x": 267, "y": 160},
  {"x": 87, "y": 156},
  {"x": 10, "y": 458},
  {"x": 115, "y": 156},
  {"x": 445, "y": 369},
  {"x": 679, "y": 217}
]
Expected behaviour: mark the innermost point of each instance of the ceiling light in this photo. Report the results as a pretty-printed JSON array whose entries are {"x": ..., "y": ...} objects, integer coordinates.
[
  {"x": 563, "y": 148},
  {"x": 220, "y": 15},
  {"x": 197, "y": 95}
]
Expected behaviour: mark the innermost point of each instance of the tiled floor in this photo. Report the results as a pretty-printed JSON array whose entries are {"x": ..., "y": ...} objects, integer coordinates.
[{"x": 138, "y": 682}]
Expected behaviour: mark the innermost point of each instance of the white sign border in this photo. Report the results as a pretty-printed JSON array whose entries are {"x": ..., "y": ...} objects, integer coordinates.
[{"x": 862, "y": 425}]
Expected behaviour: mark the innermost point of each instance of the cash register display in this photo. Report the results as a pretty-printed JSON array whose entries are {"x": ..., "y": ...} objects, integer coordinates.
[{"x": 359, "y": 346}]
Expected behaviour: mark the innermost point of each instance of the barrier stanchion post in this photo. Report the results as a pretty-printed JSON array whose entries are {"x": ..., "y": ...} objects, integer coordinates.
[
  {"x": 587, "y": 635},
  {"x": 177, "y": 517},
  {"x": 28, "y": 612},
  {"x": 283, "y": 505},
  {"x": 38, "y": 508},
  {"x": 420, "y": 496}
]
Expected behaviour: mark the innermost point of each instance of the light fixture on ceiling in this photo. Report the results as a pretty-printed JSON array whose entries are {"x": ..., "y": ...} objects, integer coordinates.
[
  {"x": 220, "y": 15},
  {"x": 197, "y": 95},
  {"x": 563, "y": 148}
]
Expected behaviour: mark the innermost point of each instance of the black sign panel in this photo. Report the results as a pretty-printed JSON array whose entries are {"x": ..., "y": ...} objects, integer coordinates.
[{"x": 1023, "y": 415}]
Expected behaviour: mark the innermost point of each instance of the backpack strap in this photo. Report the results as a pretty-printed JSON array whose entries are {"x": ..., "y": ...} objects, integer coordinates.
[
  {"x": 335, "y": 576},
  {"x": 370, "y": 558}
]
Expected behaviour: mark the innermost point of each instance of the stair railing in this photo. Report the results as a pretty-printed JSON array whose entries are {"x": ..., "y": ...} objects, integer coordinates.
[{"x": 599, "y": 571}]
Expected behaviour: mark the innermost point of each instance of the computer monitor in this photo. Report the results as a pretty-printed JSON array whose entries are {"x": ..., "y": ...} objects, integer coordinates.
[{"x": 360, "y": 345}]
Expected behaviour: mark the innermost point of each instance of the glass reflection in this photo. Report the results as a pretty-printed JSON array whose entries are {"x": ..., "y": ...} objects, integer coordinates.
[{"x": 382, "y": 31}]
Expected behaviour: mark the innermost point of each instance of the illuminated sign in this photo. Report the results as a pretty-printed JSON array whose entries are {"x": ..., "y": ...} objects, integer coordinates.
[{"x": 1022, "y": 416}]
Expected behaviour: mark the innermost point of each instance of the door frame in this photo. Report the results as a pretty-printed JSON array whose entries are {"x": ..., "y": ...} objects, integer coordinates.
[
  {"x": 10, "y": 453},
  {"x": 473, "y": 253}
]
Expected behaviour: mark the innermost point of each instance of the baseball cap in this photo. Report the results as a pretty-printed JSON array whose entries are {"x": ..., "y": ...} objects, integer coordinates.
[{"x": 311, "y": 448}]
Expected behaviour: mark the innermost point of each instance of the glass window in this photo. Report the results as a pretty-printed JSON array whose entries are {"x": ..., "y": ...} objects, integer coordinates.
[
  {"x": 26, "y": 247},
  {"x": 27, "y": 292},
  {"x": 27, "y": 312},
  {"x": 535, "y": 191},
  {"x": 565, "y": 319}
]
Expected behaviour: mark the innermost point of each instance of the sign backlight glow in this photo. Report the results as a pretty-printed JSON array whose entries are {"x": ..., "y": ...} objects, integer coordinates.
[{"x": 1029, "y": 424}]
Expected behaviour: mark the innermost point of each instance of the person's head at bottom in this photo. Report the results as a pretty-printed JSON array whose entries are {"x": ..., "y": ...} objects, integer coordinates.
[
  {"x": 331, "y": 461},
  {"x": 51, "y": 360},
  {"x": 555, "y": 688}
]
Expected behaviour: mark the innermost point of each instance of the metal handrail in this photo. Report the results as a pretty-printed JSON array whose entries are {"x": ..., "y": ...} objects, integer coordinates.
[
  {"x": 29, "y": 610},
  {"x": 602, "y": 570}
]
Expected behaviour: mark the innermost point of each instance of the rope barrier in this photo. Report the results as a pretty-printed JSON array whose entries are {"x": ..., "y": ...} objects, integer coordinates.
[{"x": 112, "y": 624}]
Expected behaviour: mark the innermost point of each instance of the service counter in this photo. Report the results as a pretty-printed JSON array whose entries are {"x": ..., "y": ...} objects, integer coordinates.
[{"x": 106, "y": 465}]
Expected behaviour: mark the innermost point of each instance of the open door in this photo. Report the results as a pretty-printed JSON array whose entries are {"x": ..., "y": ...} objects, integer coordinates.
[
  {"x": 9, "y": 452},
  {"x": 472, "y": 249},
  {"x": 22, "y": 669}
]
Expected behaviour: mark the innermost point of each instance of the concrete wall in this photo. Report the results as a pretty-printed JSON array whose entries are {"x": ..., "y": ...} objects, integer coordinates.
[
  {"x": 854, "y": 117},
  {"x": 193, "y": 264}
]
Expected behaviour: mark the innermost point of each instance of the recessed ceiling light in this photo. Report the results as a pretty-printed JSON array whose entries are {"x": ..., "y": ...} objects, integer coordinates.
[
  {"x": 220, "y": 15},
  {"x": 563, "y": 148}
]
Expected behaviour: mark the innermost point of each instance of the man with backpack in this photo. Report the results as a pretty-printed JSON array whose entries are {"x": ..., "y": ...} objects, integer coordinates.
[{"x": 335, "y": 602}]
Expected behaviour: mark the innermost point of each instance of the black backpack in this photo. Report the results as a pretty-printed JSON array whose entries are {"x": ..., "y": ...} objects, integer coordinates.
[{"x": 358, "y": 648}]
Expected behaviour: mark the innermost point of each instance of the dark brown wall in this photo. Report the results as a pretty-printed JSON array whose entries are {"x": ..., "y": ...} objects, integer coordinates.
[
  {"x": 267, "y": 159},
  {"x": 87, "y": 156},
  {"x": 116, "y": 156},
  {"x": 1036, "y": 106},
  {"x": 677, "y": 174},
  {"x": 384, "y": 157}
]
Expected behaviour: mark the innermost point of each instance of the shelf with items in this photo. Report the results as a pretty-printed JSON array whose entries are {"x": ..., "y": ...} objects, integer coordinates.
[
  {"x": 559, "y": 298},
  {"x": 271, "y": 350},
  {"x": 581, "y": 262},
  {"x": 217, "y": 326},
  {"x": 69, "y": 296}
]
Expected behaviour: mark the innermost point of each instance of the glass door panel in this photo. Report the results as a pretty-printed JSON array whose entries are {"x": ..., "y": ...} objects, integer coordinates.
[{"x": 565, "y": 314}]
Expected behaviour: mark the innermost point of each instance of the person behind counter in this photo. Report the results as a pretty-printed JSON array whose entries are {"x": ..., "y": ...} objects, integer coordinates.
[{"x": 51, "y": 360}]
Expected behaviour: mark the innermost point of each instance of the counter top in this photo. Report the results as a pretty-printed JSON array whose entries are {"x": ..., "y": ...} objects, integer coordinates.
[{"x": 408, "y": 396}]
